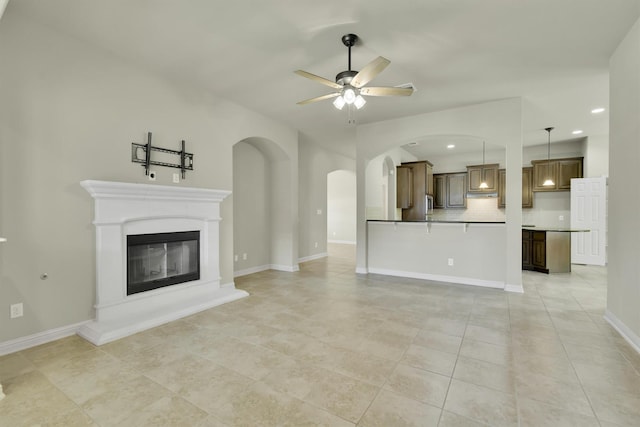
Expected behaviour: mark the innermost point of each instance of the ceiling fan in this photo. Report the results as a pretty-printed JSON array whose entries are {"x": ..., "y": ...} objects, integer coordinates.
[{"x": 350, "y": 84}]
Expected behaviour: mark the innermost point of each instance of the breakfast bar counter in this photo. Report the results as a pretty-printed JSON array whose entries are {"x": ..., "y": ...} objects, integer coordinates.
[{"x": 547, "y": 249}]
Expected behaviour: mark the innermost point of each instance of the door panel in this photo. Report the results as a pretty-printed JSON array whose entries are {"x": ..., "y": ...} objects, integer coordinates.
[{"x": 589, "y": 211}]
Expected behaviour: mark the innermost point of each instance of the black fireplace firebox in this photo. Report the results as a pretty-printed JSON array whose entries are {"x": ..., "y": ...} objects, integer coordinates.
[{"x": 162, "y": 259}]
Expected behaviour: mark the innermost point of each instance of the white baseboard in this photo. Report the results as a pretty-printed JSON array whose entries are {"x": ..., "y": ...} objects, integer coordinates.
[
  {"x": 44, "y": 337},
  {"x": 627, "y": 334},
  {"x": 514, "y": 288},
  {"x": 439, "y": 278},
  {"x": 342, "y": 242},
  {"x": 230, "y": 285},
  {"x": 288, "y": 268},
  {"x": 361, "y": 270},
  {"x": 251, "y": 270},
  {"x": 312, "y": 257},
  {"x": 258, "y": 269}
]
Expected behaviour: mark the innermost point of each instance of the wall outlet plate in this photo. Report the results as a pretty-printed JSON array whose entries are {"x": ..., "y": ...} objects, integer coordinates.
[
  {"x": 176, "y": 178},
  {"x": 450, "y": 262},
  {"x": 17, "y": 310},
  {"x": 152, "y": 175}
]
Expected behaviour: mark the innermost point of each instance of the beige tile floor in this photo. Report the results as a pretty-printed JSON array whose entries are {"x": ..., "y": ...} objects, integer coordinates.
[{"x": 327, "y": 347}]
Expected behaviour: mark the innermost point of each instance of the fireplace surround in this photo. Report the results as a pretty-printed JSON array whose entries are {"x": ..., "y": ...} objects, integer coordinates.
[{"x": 123, "y": 210}]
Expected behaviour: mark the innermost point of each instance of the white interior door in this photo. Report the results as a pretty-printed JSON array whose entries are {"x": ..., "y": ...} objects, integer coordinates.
[{"x": 589, "y": 211}]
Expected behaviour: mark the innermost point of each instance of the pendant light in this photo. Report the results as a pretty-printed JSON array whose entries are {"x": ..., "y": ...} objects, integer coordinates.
[
  {"x": 483, "y": 184},
  {"x": 548, "y": 182}
]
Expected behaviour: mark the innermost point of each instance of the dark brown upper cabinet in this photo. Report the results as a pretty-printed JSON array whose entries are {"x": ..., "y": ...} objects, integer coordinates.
[
  {"x": 559, "y": 170},
  {"x": 450, "y": 190},
  {"x": 527, "y": 187},
  {"x": 476, "y": 174},
  {"x": 414, "y": 182}
]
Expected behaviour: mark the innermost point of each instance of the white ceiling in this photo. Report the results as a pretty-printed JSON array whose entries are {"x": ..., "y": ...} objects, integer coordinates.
[{"x": 553, "y": 53}]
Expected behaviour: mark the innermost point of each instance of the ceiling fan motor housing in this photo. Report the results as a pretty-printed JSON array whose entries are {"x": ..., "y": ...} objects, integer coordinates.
[{"x": 345, "y": 77}]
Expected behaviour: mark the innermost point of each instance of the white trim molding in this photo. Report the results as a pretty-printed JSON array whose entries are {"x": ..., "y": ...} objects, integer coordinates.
[
  {"x": 288, "y": 268},
  {"x": 312, "y": 257},
  {"x": 342, "y": 242},
  {"x": 514, "y": 288},
  {"x": 439, "y": 278},
  {"x": 623, "y": 330},
  {"x": 250, "y": 270},
  {"x": 40, "y": 338}
]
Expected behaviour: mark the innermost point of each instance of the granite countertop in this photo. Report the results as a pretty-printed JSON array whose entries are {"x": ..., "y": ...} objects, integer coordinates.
[
  {"x": 555, "y": 229},
  {"x": 436, "y": 221}
]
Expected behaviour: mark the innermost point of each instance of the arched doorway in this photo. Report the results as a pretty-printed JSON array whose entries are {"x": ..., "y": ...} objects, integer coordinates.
[{"x": 263, "y": 228}]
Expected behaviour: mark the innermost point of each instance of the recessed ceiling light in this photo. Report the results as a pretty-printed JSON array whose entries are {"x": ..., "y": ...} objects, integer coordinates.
[
  {"x": 451, "y": 146},
  {"x": 412, "y": 144},
  {"x": 597, "y": 110},
  {"x": 577, "y": 132}
]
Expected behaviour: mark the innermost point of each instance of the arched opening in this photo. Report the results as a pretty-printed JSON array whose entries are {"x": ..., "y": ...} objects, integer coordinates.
[{"x": 262, "y": 223}]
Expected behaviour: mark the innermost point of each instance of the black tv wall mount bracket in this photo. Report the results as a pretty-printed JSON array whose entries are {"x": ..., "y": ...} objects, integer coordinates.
[{"x": 141, "y": 153}]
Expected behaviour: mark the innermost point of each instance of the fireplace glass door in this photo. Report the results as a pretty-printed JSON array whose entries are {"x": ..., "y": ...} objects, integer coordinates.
[{"x": 162, "y": 259}]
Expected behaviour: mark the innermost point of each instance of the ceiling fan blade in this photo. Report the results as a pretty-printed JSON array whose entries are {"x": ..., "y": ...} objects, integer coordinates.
[
  {"x": 318, "y": 79},
  {"x": 318, "y": 98},
  {"x": 386, "y": 91},
  {"x": 369, "y": 71}
]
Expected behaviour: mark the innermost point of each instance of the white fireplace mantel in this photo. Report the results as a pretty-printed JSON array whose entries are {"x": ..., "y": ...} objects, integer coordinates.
[{"x": 122, "y": 209}]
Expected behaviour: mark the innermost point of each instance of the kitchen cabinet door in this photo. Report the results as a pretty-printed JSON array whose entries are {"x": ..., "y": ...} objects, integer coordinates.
[
  {"x": 539, "y": 250},
  {"x": 559, "y": 170},
  {"x": 479, "y": 173},
  {"x": 457, "y": 190},
  {"x": 542, "y": 171},
  {"x": 527, "y": 243},
  {"x": 440, "y": 191},
  {"x": 404, "y": 187},
  {"x": 567, "y": 169},
  {"x": 527, "y": 187}
]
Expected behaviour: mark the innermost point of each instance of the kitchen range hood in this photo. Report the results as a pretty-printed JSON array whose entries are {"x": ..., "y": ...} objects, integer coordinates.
[{"x": 487, "y": 195}]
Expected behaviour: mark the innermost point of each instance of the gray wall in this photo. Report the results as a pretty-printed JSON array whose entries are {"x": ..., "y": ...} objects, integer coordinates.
[
  {"x": 69, "y": 112},
  {"x": 251, "y": 207},
  {"x": 315, "y": 163},
  {"x": 341, "y": 207},
  {"x": 623, "y": 296}
]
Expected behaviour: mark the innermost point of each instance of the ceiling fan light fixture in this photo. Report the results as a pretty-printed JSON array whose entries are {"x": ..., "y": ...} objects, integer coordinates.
[
  {"x": 339, "y": 102},
  {"x": 359, "y": 102},
  {"x": 349, "y": 95}
]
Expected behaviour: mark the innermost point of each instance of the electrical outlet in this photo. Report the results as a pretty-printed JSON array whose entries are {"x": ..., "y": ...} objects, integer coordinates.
[
  {"x": 176, "y": 178},
  {"x": 561, "y": 217},
  {"x": 319, "y": 211},
  {"x": 244, "y": 256},
  {"x": 152, "y": 175},
  {"x": 16, "y": 310},
  {"x": 235, "y": 258},
  {"x": 316, "y": 244},
  {"x": 450, "y": 262}
]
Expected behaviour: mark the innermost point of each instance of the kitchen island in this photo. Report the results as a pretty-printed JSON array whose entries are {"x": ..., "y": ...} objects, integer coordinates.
[
  {"x": 547, "y": 249},
  {"x": 462, "y": 252}
]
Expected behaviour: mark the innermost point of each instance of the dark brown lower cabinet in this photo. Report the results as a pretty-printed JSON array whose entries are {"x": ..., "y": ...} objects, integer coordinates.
[{"x": 534, "y": 251}]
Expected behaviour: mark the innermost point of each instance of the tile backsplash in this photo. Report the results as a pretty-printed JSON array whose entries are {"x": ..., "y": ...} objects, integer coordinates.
[
  {"x": 548, "y": 210},
  {"x": 482, "y": 209}
]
